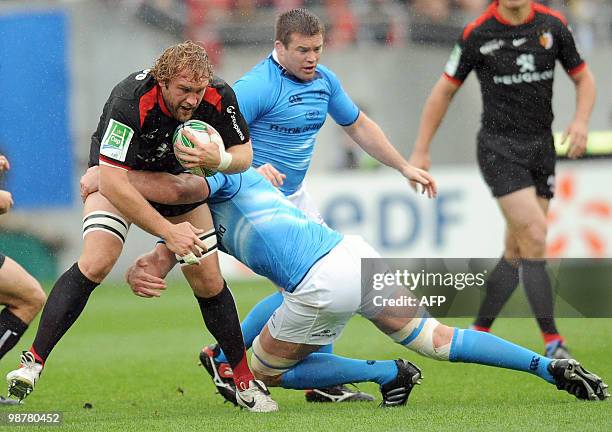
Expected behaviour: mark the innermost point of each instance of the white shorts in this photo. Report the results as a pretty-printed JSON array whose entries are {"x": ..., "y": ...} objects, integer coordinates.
[
  {"x": 302, "y": 200},
  {"x": 318, "y": 309}
]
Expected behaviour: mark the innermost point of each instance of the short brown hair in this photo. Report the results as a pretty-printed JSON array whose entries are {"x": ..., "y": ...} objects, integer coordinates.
[
  {"x": 297, "y": 21},
  {"x": 186, "y": 56}
]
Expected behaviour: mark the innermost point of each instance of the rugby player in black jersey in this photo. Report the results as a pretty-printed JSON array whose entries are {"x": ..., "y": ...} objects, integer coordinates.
[
  {"x": 513, "y": 47},
  {"x": 135, "y": 133}
]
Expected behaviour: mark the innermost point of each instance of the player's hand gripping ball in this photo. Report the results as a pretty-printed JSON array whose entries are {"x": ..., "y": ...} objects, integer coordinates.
[{"x": 206, "y": 133}]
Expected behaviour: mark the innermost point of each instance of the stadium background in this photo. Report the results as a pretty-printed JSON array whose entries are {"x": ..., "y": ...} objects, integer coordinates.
[{"x": 129, "y": 364}]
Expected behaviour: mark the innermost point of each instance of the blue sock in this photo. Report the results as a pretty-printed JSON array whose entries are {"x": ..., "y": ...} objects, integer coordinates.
[
  {"x": 326, "y": 349},
  {"x": 471, "y": 346},
  {"x": 257, "y": 318},
  {"x": 326, "y": 370}
]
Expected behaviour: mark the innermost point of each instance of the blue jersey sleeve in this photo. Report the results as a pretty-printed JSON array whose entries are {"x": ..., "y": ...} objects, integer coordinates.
[{"x": 341, "y": 107}]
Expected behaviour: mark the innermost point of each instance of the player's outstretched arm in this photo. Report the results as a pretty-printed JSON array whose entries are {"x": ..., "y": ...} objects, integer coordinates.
[
  {"x": 160, "y": 187},
  {"x": 371, "y": 138},
  {"x": 165, "y": 188},
  {"x": 146, "y": 275},
  {"x": 432, "y": 115},
  {"x": 578, "y": 130}
]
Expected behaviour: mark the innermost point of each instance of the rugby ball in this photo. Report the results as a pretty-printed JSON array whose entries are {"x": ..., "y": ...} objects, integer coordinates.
[{"x": 206, "y": 133}]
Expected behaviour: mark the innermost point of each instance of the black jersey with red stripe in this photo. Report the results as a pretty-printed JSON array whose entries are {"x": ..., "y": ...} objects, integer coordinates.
[
  {"x": 135, "y": 129},
  {"x": 515, "y": 67}
]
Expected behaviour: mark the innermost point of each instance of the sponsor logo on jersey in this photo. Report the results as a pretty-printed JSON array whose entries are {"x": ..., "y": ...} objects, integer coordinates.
[
  {"x": 311, "y": 115},
  {"x": 294, "y": 99},
  {"x": 453, "y": 61},
  {"x": 116, "y": 140},
  {"x": 296, "y": 130},
  {"x": 546, "y": 40},
  {"x": 526, "y": 62},
  {"x": 491, "y": 46},
  {"x": 150, "y": 135},
  {"x": 162, "y": 150},
  {"x": 519, "y": 42},
  {"x": 528, "y": 72},
  {"x": 527, "y": 77},
  {"x": 231, "y": 110}
]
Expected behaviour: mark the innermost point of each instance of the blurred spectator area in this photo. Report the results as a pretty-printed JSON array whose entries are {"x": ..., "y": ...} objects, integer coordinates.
[{"x": 218, "y": 23}]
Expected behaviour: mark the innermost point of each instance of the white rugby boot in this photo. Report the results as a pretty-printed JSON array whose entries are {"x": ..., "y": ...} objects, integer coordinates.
[
  {"x": 21, "y": 381},
  {"x": 256, "y": 398}
]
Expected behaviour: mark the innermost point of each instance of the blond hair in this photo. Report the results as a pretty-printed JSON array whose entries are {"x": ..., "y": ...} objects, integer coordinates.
[{"x": 186, "y": 56}]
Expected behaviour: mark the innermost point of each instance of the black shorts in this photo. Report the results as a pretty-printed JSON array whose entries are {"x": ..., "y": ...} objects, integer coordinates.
[
  {"x": 2, "y": 258},
  {"x": 174, "y": 210},
  {"x": 509, "y": 164}
]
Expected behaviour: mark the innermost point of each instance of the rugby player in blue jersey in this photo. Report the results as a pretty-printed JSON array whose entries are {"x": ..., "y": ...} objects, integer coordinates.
[
  {"x": 285, "y": 100},
  {"x": 319, "y": 270}
]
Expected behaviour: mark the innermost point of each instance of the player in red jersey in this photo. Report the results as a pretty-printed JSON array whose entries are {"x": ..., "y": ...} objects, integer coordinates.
[{"x": 135, "y": 133}]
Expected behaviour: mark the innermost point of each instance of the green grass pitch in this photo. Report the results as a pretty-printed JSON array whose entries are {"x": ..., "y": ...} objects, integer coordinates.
[{"x": 134, "y": 361}]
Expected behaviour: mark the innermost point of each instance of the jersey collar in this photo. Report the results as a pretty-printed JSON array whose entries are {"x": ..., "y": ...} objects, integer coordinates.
[
  {"x": 504, "y": 21},
  {"x": 274, "y": 58},
  {"x": 161, "y": 103}
]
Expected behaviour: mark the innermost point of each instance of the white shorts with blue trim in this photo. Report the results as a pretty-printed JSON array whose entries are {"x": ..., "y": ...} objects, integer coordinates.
[{"x": 319, "y": 308}]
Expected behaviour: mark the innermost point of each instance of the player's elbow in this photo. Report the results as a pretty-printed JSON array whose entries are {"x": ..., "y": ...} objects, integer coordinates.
[
  {"x": 445, "y": 89},
  {"x": 188, "y": 189}
]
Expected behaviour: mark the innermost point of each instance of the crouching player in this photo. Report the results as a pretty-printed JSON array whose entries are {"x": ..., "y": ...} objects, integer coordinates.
[{"x": 319, "y": 270}]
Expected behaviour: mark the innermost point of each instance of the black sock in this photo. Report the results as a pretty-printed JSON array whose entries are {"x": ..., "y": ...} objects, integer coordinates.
[
  {"x": 221, "y": 319},
  {"x": 500, "y": 285},
  {"x": 66, "y": 301},
  {"x": 539, "y": 293},
  {"x": 11, "y": 330}
]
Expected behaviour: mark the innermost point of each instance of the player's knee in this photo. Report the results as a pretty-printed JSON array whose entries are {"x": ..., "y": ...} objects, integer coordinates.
[
  {"x": 443, "y": 335},
  {"x": 96, "y": 268},
  {"x": 209, "y": 285},
  {"x": 37, "y": 297},
  {"x": 537, "y": 233},
  {"x": 533, "y": 240},
  {"x": 427, "y": 337},
  {"x": 29, "y": 300},
  {"x": 268, "y": 367},
  {"x": 512, "y": 251}
]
